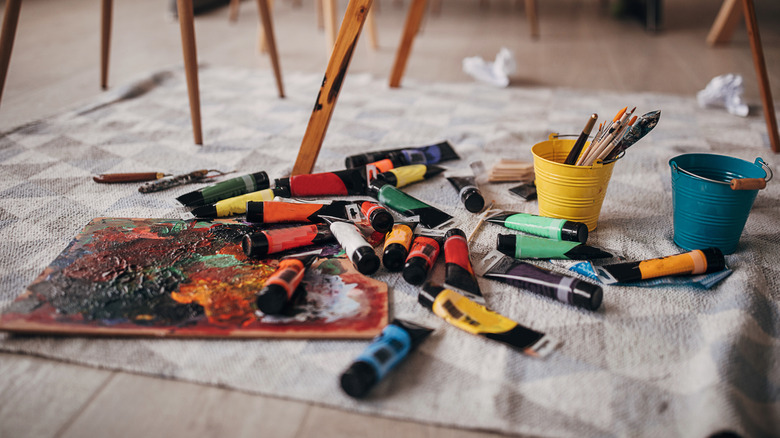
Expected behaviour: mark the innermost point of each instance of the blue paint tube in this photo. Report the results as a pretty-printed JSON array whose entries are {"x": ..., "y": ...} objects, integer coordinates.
[
  {"x": 385, "y": 352},
  {"x": 432, "y": 154}
]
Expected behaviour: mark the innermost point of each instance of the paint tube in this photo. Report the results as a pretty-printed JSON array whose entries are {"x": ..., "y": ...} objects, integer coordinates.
[
  {"x": 542, "y": 281},
  {"x": 459, "y": 273},
  {"x": 432, "y": 154},
  {"x": 399, "y": 201},
  {"x": 693, "y": 262},
  {"x": 225, "y": 189},
  {"x": 339, "y": 183},
  {"x": 234, "y": 205},
  {"x": 558, "y": 229},
  {"x": 468, "y": 192},
  {"x": 522, "y": 246},
  {"x": 380, "y": 219},
  {"x": 587, "y": 269},
  {"x": 279, "y": 288},
  {"x": 280, "y": 211},
  {"x": 385, "y": 352},
  {"x": 359, "y": 251},
  {"x": 425, "y": 250},
  {"x": 267, "y": 242},
  {"x": 397, "y": 244},
  {"x": 405, "y": 175},
  {"x": 474, "y": 318}
]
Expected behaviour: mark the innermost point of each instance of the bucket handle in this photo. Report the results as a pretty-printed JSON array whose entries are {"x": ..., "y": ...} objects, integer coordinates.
[{"x": 737, "y": 183}]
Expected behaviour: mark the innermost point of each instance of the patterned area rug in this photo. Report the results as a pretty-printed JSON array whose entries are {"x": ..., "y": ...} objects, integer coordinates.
[{"x": 664, "y": 361}]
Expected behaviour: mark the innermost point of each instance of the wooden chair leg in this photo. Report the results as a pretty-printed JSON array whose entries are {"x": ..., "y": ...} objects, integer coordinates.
[
  {"x": 268, "y": 28},
  {"x": 233, "y": 11},
  {"x": 7, "y": 35},
  {"x": 763, "y": 80},
  {"x": 723, "y": 27},
  {"x": 413, "y": 19},
  {"x": 187, "y": 27},
  {"x": 335, "y": 73},
  {"x": 373, "y": 41},
  {"x": 262, "y": 44},
  {"x": 105, "y": 40},
  {"x": 329, "y": 19},
  {"x": 533, "y": 19}
]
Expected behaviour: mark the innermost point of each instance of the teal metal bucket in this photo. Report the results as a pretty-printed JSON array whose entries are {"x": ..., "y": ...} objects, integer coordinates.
[{"x": 707, "y": 211}]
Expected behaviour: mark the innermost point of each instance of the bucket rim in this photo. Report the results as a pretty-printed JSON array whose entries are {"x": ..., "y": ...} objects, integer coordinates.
[{"x": 768, "y": 174}]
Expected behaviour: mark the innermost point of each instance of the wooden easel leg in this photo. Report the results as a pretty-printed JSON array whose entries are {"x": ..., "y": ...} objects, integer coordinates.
[
  {"x": 373, "y": 41},
  {"x": 329, "y": 19},
  {"x": 105, "y": 40},
  {"x": 336, "y": 72},
  {"x": 187, "y": 27},
  {"x": 262, "y": 44},
  {"x": 413, "y": 20},
  {"x": 7, "y": 35},
  {"x": 723, "y": 27},
  {"x": 763, "y": 79},
  {"x": 268, "y": 29}
]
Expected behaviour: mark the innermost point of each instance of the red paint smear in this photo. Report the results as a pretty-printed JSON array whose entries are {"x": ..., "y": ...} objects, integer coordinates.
[{"x": 317, "y": 184}]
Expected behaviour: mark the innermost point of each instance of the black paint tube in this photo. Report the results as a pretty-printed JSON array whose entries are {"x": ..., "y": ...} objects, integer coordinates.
[
  {"x": 468, "y": 192},
  {"x": 432, "y": 154},
  {"x": 271, "y": 212},
  {"x": 225, "y": 189},
  {"x": 430, "y": 216},
  {"x": 262, "y": 243},
  {"x": 459, "y": 273},
  {"x": 339, "y": 183},
  {"x": 542, "y": 281},
  {"x": 385, "y": 352}
]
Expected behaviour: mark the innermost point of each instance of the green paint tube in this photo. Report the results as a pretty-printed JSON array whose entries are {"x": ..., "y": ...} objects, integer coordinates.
[
  {"x": 389, "y": 196},
  {"x": 558, "y": 229},
  {"x": 521, "y": 246}
]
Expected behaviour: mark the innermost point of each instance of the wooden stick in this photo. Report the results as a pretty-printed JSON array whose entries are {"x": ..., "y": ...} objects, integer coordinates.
[
  {"x": 723, "y": 27},
  {"x": 187, "y": 27},
  {"x": 105, "y": 40},
  {"x": 7, "y": 35},
  {"x": 763, "y": 79},
  {"x": 233, "y": 12},
  {"x": 336, "y": 72},
  {"x": 329, "y": 19},
  {"x": 413, "y": 19},
  {"x": 268, "y": 28},
  {"x": 533, "y": 19},
  {"x": 373, "y": 40}
]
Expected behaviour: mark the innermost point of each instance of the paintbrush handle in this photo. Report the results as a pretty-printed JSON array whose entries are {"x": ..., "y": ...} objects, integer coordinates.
[{"x": 109, "y": 178}]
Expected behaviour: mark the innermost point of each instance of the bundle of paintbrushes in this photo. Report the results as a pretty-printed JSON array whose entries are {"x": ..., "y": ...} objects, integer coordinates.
[
  {"x": 612, "y": 138},
  {"x": 511, "y": 170}
]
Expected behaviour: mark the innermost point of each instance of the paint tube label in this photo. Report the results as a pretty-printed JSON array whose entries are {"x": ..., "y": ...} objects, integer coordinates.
[
  {"x": 401, "y": 234},
  {"x": 286, "y": 238},
  {"x": 456, "y": 251},
  {"x": 237, "y": 205},
  {"x": 425, "y": 248},
  {"x": 536, "y": 225},
  {"x": 468, "y": 315},
  {"x": 409, "y": 174},
  {"x": 274, "y": 212},
  {"x": 387, "y": 350},
  {"x": 368, "y": 208},
  {"x": 289, "y": 277}
]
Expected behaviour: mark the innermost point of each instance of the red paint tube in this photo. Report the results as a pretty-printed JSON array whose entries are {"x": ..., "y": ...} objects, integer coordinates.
[
  {"x": 266, "y": 242},
  {"x": 279, "y": 288},
  {"x": 381, "y": 220},
  {"x": 340, "y": 183},
  {"x": 425, "y": 250},
  {"x": 458, "y": 271}
]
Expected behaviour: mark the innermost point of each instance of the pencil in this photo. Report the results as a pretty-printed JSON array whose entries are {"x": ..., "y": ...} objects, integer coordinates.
[{"x": 577, "y": 148}]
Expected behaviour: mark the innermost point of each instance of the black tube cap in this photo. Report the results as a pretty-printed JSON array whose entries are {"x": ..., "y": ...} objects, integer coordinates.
[
  {"x": 271, "y": 299},
  {"x": 506, "y": 244},
  {"x": 282, "y": 184},
  {"x": 355, "y": 161},
  {"x": 473, "y": 200},
  {"x": 428, "y": 294},
  {"x": 587, "y": 295},
  {"x": 715, "y": 259},
  {"x": 381, "y": 220},
  {"x": 366, "y": 260},
  {"x": 454, "y": 232},
  {"x": 394, "y": 256},
  {"x": 255, "y": 245},
  {"x": 358, "y": 379},
  {"x": 574, "y": 232},
  {"x": 254, "y": 211},
  {"x": 415, "y": 271}
]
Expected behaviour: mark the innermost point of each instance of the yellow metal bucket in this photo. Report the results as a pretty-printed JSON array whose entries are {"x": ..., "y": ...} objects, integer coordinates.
[{"x": 565, "y": 191}]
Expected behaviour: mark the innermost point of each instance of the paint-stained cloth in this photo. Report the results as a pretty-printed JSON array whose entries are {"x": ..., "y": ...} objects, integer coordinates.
[{"x": 668, "y": 361}]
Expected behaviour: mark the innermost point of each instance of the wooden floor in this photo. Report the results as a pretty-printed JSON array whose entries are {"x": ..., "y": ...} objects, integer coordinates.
[{"x": 55, "y": 66}]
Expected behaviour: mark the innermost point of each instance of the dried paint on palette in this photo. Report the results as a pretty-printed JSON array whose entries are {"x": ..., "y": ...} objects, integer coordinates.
[{"x": 167, "y": 277}]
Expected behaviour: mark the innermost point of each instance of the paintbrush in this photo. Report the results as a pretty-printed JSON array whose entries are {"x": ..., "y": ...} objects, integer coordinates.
[
  {"x": 642, "y": 127},
  {"x": 596, "y": 143},
  {"x": 595, "y": 152},
  {"x": 577, "y": 148}
]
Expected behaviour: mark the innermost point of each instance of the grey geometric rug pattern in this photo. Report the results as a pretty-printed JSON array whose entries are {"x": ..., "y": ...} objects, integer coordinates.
[{"x": 667, "y": 361}]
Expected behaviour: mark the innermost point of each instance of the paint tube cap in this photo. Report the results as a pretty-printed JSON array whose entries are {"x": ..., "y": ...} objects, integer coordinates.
[
  {"x": 271, "y": 299},
  {"x": 428, "y": 294},
  {"x": 255, "y": 245},
  {"x": 587, "y": 295},
  {"x": 376, "y": 184},
  {"x": 282, "y": 184},
  {"x": 473, "y": 200},
  {"x": 394, "y": 256},
  {"x": 506, "y": 243},
  {"x": 283, "y": 191},
  {"x": 715, "y": 259},
  {"x": 254, "y": 211},
  {"x": 358, "y": 379},
  {"x": 381, "y": 220},
  {"x": 356, "y": 161},
  {"x": 574, "y": 232},
  {"x": 454, "y": 232},
  {"x": 415, "y": 271},
  {"x": 366, "y": 260}
]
